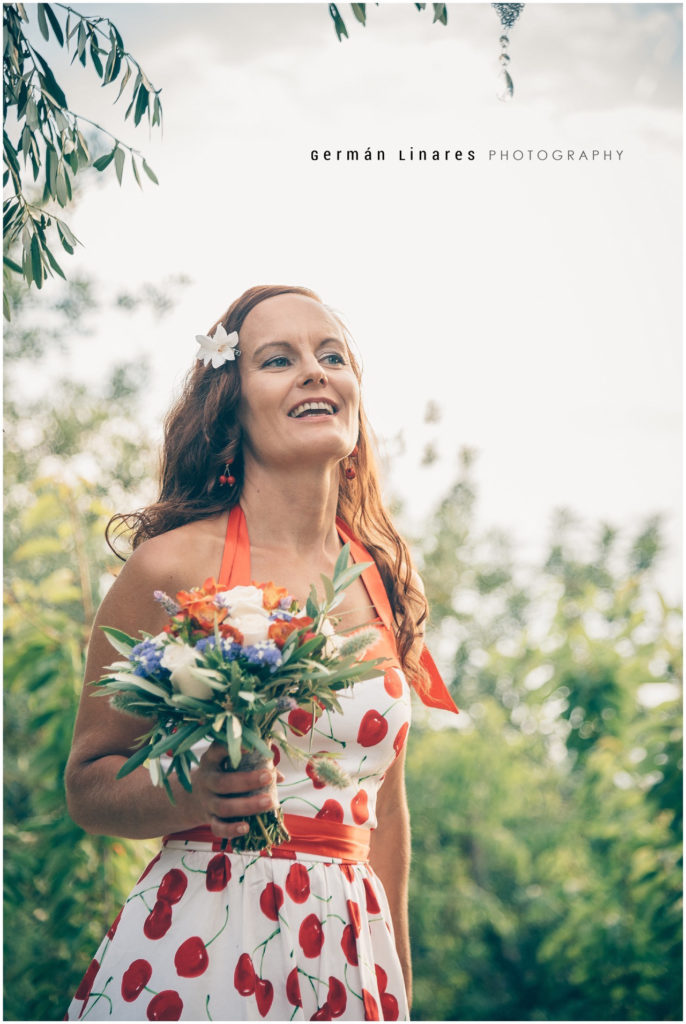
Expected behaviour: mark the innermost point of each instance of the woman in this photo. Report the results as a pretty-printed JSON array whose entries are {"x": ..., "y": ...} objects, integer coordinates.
[{"x": 266, "y": 472}]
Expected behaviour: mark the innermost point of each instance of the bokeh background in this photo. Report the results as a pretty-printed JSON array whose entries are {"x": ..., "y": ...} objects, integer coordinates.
[{"x": 519, "y": 326}]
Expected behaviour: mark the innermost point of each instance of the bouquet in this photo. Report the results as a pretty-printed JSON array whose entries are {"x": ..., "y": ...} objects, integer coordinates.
[{"x": 227, "y": 667}]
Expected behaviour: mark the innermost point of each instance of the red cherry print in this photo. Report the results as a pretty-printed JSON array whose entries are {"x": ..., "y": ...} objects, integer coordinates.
[
  {"x": 311, "y": 936},
  {"x": 276, "y": 754},
  {"x": 392, "y": 683},
  {"x": 331, "y": 811},
  {"x": 323, "y": 1013},
  {"x": 316, "y": 781},
  {"x": 271, "y": 901},
  {"x": 381, "y": 978},
  {"x": 400, "y": 738},
  {"x": 300, "y": 721},
  {"x": 134, "y": 979},
  {"x": 336, "y": 997},
  {"x": 264, "y": 995},
  {"x": 218, "y": 873},
  {"x": 298, "y": 883},
  {"x": 166, "y": 1005},
  {"x": 149, "y": 868},
  {"x": 158, "y": 922},
  {"x": 359, "y": 807},
  {"x": 373, "y": 728},
  {"x": 371, "y": 1010},
  {"x": 244, "y": 975},
  {"x": 115, "y": 924},
  {"x": 293, "y": 988},
  {"x": 348, "y": 871},
  {"x": 173, "y": 886},
  {"x": 84, "y": 989},
  {"x": 372, "y": 902},
  {"x": 389, "y": 1006},
  {"x": 191, "y": 958},
  {"x": 348, "y": 945},
  {"x": 354, "y": 915}
]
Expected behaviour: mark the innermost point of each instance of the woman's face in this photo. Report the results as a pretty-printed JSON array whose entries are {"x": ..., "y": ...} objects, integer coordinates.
[{"x": 300, "y": 397}]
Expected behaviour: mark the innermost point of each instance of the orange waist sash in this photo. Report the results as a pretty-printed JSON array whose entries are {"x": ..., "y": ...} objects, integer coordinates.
[{"x": 308, "y": 835}]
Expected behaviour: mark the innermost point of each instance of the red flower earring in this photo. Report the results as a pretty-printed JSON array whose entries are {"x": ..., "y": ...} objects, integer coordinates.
[
  {"x": 350, "y": 470},
  {"x": 227, "y": 478}
]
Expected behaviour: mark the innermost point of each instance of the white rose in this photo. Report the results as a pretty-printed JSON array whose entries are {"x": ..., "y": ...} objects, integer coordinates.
[
  {"x": 246, "y": 598},
  {"x": 253, "y": 627},
  {"x": 180, "y": 660},
  {"x": 239, "y": 608}
]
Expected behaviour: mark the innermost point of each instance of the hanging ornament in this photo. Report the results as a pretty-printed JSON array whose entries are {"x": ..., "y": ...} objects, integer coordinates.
[{"x": 508, "y": 14}]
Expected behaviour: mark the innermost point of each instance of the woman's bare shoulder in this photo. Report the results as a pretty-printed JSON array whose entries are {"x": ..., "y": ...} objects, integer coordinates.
[{"x": 180, "y": 558}]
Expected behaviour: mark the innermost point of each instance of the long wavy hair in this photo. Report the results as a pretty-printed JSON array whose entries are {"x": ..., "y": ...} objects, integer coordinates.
[{"x": 202, "y": 433}]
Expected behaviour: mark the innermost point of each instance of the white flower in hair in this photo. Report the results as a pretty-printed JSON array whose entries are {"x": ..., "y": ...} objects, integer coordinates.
[{"x": 217, "y": 349}]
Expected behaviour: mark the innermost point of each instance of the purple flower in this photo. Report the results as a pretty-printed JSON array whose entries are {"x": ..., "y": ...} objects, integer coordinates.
[
  {"x": 170, "y": 606},
  {"x": 281, "y": 614}
]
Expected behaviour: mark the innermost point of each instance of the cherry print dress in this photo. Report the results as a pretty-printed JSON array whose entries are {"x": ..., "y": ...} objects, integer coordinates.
[{"x": 304, "y": 934}]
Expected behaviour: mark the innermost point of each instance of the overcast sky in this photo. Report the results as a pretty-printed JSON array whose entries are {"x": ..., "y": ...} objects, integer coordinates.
[{"x": 537, "y": 301}]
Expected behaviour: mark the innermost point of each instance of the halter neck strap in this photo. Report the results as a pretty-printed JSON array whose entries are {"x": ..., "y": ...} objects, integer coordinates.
[{"x": 235, "y": 572}]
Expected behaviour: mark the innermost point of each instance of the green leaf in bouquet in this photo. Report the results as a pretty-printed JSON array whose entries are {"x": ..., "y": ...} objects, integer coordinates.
[
  {"x": 170, "y": 741},
  {"x": 183, "y": 771},
  {"x": 257, "y": 742},
  {"x": 191, "y": 704},
  {"x": 201, "y": 732},
  {"x": 234, "y": 732},
  {"x": 127, "y": 680},
  {"x": 134, "y": 761},
  {"x": 329, "y": 591},
  {"x": 168, "y": 789},
  {"x": 348, "y": 575},
  {"x": 208, "y": 675},
  {"x": 312, "y": 646},
  {"x": 311, "y": 605},
  {"x": 121, "y": 642},
  {"x": 342, "y": 561}
]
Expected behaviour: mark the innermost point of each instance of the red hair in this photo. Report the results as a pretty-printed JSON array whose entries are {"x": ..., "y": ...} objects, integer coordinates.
[{"x": 202, "y": 434}]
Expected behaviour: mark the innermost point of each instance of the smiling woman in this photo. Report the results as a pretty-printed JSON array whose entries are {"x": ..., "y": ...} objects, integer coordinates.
[{"x": 267, "y": 471}]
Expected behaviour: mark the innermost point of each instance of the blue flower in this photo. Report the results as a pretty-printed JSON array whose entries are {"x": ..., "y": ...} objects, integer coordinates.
[
  {"x": 264, "y": 653},
  {"x": 146, "y": 657}
]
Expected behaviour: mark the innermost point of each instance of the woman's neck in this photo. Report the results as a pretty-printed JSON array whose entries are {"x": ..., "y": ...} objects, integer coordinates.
[{"x": 292, "y": 511}]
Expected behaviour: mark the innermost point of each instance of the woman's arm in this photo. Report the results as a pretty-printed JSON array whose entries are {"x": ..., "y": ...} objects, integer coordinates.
[
  {"x": 390, "y": 858},
  {"x": 105, "y": 737}
]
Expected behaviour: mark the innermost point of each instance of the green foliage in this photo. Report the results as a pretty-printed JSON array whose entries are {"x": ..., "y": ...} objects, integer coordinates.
[
  {"x": 44, "y": 133},
  {"x": 440, "y": 13},
  {"x": 55, "y": 559},
  {"x": 546, "y": 877}
]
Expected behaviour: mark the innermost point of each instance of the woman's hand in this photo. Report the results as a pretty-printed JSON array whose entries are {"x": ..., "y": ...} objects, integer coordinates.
[{"x": 226, "y": 796}]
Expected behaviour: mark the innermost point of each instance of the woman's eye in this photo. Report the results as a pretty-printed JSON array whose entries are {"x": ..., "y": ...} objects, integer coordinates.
[
  {"x": 334, "y": 358},
  {"x": 277, "y": 361}
]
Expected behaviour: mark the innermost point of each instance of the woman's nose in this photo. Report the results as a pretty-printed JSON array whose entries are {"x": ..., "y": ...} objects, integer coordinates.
[{"x": 314, "y": 375}]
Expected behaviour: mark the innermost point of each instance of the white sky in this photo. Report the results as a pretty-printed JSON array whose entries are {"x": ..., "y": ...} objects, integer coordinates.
[{"x": 537, "y": 302}]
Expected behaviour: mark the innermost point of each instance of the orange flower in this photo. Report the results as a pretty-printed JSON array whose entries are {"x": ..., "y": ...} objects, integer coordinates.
[
  {"x": 227, "y": 631},
  {"x": 187, "y": 598},
  {"x": 280, "y": 630},
  {"x": 197, "y": 604},
  {"x": 272, "y": 594}
]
